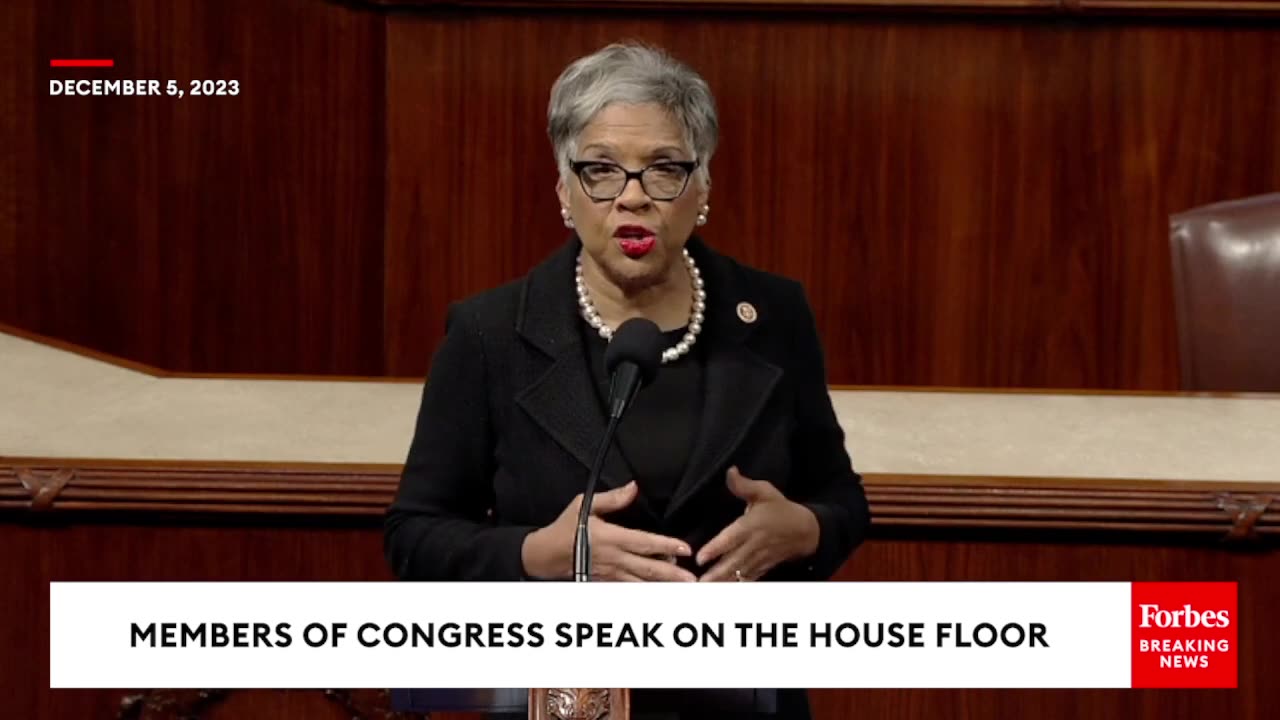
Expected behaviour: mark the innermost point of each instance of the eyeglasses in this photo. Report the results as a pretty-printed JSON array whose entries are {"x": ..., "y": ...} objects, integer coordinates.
[{"x": 665, "y": 180}]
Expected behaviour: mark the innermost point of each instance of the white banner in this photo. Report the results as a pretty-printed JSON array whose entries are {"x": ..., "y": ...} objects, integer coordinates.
[
  {"x": 643, "y": 636},
  {"x": 515, "y": 635}
]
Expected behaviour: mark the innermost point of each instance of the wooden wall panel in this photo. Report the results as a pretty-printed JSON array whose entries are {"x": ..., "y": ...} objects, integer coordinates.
[
  {"x": 208, "y": 233},
  {"x": 969, "y": 201},
  {"x": 1180, "y": 8},
  {"x": 1158, "y": 131},
  {"x": 153, "y": 552},
  {"x": 17, "y": 140},
  {"x": 1200, "y": 8}
]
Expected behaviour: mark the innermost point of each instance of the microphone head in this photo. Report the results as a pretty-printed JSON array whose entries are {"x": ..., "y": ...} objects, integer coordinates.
[{"x": 637, "y": 341}]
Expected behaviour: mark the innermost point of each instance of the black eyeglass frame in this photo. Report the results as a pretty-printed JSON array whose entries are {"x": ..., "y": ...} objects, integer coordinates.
[{"x": 628, "y": 175}]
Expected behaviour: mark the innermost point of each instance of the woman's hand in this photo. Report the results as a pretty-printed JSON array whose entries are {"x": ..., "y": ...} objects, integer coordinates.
[
  {"x": 773, "y": 530},
  {"x": 617, "y": 553}
]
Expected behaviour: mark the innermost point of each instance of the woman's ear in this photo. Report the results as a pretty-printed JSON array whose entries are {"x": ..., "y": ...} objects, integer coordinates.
[
  {"x": 562, "y": 192},
  {"x": 704, "y": 188}
]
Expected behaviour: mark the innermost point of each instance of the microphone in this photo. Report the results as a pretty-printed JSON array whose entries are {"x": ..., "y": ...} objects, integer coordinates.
[{"x": 632, "y": 359}]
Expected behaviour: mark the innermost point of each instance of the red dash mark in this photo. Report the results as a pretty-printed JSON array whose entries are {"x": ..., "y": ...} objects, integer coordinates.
[{"x": 82, "y": 63}]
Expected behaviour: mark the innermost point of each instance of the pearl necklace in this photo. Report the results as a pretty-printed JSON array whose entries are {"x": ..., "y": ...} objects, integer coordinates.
[{"x": 672, "y": 353}]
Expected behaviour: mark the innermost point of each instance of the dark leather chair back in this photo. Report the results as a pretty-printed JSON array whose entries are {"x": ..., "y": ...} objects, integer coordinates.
[{"x": 1226, "y": 287}]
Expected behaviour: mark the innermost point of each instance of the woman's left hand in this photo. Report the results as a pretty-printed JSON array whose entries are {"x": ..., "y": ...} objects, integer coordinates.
[{"x": 772, "y": 530}]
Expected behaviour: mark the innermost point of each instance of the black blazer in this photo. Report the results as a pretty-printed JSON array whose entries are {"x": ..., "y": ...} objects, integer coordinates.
[{"x": 510, "y": 419}]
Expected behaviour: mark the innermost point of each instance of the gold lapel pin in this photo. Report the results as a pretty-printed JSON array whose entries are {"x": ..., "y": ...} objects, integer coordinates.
[{"x": 747, "y": 312}]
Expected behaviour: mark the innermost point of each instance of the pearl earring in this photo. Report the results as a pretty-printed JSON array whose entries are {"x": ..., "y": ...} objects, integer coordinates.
[
  {"x": 568, "y": 221},
  {"x": 702, "y": 216}
]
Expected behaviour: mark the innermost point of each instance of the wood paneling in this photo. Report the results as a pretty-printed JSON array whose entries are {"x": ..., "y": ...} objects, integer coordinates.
[
  {"x": 142, "y": 548},
  {"x": 971, "y": 200},
  {"x": 237, "y": 233},
  {"x": 6, "y": 329},
  {"x": 1206, "y": 8},
  {"x": 17, "y": 140},
  {"x": 1157, "y": 8},
  {"x": 1159, "y": 132}
]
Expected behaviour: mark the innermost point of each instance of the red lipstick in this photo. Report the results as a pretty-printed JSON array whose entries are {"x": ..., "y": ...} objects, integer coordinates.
[{"x": 635, "y": 241}]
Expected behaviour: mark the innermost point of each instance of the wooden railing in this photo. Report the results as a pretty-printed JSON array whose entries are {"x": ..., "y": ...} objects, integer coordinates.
[
  {"x": 1210, "y": 512},
  {"x": 1060, "y": 7}
]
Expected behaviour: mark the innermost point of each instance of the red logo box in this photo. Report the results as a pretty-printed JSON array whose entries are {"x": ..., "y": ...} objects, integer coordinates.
[{"x": 1184, "y": 635}]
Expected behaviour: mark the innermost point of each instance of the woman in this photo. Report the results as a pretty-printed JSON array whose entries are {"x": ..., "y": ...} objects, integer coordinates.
[{"x": 737, "y": 419}]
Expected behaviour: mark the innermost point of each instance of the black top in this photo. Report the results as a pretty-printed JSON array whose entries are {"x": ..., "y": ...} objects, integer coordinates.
[
  {"x": 509, "y": 421},
  {"x": 508, "y": 426},
  {"x": 656, "y": 436}
]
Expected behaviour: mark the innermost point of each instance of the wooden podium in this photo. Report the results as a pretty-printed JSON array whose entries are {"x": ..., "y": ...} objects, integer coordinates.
[
  {"x": 579, "y": 704},
  {"x": 512, "y": 704}
]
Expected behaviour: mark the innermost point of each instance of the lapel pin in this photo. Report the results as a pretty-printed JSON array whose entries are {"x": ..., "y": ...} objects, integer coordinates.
[{"x": 747, "y": 312}]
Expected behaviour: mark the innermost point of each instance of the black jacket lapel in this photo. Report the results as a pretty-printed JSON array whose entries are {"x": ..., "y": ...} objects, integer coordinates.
[
  {"x": 563, "y": 400},
  {"x": 738, "y": 381}
]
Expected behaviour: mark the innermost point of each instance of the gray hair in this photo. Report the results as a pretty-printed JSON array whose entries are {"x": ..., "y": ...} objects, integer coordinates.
[{"x": 633, "y": 74}]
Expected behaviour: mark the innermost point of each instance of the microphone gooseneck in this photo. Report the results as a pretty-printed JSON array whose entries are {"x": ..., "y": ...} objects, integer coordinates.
[
  {"x": 582, "y": 538},
  {"x": 632, "y": 359}
]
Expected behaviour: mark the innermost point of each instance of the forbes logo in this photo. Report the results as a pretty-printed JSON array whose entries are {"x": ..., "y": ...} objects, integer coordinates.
[
  {"x": 1187, "y": 617},
  {"x": 1184, "y": 634}
]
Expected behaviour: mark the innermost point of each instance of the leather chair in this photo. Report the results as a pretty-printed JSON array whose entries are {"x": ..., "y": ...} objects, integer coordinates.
[{"x": 1226, "y": 287}]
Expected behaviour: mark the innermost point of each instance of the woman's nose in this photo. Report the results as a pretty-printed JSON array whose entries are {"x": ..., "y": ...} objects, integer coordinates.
[{"x": 633, "y": 195}]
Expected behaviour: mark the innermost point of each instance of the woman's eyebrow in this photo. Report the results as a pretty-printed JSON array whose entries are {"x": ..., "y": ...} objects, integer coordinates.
[{"x": 666, "y": 150}]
